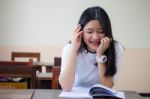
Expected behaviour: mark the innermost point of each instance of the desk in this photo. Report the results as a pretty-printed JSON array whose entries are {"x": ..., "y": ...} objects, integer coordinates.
[
  {"x": 22, "y": 69},
  {"x": 18, "y": 69},
  {"x": 47, "y": 94},
  {"x": 16, "y": 93}
]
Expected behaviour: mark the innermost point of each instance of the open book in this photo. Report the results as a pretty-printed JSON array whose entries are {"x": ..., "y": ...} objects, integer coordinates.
[{"x": 97, "y": 90}]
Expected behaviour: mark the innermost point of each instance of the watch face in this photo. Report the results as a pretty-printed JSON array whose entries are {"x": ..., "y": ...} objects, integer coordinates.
[
  {"x": 104, "y": 58},
  {"x": 101, "y": 59}
]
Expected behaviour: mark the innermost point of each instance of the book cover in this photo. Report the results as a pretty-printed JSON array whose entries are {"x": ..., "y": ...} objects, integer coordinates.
[{"x": 99, "y": 90}]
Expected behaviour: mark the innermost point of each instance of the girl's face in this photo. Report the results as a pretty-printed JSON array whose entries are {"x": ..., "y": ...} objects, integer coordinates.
[{"x": 92, "y": 35}]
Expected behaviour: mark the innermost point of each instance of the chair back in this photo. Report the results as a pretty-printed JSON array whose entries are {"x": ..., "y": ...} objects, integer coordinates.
[
  {"x": 57, "y": 61},
  {"x": 29, "y": 55}
]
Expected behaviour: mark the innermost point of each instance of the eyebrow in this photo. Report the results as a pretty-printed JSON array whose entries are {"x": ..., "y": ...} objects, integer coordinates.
[{"x": 92, "y": 29}]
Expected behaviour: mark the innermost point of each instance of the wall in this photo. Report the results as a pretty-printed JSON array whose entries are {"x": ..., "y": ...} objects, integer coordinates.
[
  {"x": 133, "y": 73},
  {"x": 46, "y": 26}
]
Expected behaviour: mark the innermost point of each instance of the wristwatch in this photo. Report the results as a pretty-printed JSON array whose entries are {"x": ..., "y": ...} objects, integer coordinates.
[{"x": 101, "y": 59}]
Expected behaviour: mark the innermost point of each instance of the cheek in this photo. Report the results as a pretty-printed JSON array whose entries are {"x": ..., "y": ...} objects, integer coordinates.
[
  {"x": 102, "y": 35},
  {"x": 87, "y": 37}
]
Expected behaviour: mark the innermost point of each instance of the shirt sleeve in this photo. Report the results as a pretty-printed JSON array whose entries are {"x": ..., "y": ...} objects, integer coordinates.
[{"x": 65, "y": 56}]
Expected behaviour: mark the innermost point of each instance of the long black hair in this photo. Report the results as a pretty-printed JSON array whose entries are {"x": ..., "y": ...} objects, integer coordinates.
[{"x": 98, "y": 13}]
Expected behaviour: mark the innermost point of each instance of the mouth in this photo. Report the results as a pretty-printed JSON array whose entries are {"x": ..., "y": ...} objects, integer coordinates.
[{"x": 95, "y": 43}]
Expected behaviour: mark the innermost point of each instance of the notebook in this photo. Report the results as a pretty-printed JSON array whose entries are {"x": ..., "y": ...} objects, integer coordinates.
[{"x": 96, "y": 90}]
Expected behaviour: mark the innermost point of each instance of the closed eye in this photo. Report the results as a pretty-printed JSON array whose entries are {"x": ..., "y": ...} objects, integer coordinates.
[
  {"x": 100, "y": 31},
  {"x": 89, "y": 32}
]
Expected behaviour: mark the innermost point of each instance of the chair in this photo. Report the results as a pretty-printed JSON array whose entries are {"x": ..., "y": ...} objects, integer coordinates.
[
  {"x": 56, "y": 73},
  {"x": 49, "y": 75},
  {"x": 43, "y": 76},
  {"x": 57, "y": 61},
  {"x": 29, "y": 56},
  {"x": 18, "y": 69}
]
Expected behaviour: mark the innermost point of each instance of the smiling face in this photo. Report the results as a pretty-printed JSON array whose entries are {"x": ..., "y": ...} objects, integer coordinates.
[{"x": 92, "y": 34}]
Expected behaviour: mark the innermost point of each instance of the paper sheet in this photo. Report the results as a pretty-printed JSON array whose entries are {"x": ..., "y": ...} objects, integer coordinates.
[{"x": 77, "y": 93}]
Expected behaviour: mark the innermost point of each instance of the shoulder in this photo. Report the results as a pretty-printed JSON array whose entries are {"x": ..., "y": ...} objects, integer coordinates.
[
  {"x": 119, "y": 47},
  {"x": 66, "y": 48}
]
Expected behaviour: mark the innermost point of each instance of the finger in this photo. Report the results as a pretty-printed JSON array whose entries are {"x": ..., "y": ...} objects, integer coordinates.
[
  {"x": 104, "y": 43},
  {"x": 79, "y": 35},
  {"x": 109, "y": 39},
  {"x": 78, "y": 28},
  {"x": 107, "y": 42},
  {"x": 76, "y": 31}
]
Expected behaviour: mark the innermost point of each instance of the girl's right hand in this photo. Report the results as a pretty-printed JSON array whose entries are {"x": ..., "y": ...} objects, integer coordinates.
[{"x": 77, "y": 37}]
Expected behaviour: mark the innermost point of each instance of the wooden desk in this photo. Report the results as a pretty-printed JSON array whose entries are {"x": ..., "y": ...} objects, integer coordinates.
[
  {"x": 16, "y": 93},
  {"x": 47, "y": 94},
  {"x": 18, "y": 69},
  {"x": 23, "y": 69}
]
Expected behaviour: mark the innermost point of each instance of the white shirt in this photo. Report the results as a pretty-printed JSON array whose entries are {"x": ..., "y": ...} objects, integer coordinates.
[{"x": 86, "y": 73}]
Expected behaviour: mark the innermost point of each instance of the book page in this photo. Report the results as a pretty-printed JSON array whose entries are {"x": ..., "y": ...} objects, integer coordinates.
[
  {"x": 83, "y": 92},
  {"x": 78, "y": 92}
]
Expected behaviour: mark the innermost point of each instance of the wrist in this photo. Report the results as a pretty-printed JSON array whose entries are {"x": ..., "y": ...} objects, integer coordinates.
[
  {"x": 99, "y": 53},
  {"x": 101, "y": 58}
]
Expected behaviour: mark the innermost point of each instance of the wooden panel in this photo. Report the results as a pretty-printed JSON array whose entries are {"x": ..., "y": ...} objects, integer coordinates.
[
  {"x": 13, "y": 85},
  {"x": 57, "y": 61},
  {"x": 56, "y": 72},
  {"x": 18, "y": 69},
  {"x": 25, "y": 55}
]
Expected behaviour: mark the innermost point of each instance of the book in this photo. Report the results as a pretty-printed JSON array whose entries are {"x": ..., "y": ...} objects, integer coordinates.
[{"x": 97, "y": 90}]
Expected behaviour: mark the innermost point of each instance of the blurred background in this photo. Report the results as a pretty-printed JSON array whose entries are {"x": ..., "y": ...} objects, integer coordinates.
[{"x": 45, "y": 26}]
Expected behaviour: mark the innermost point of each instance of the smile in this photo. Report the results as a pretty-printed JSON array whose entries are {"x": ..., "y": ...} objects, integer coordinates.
[{"x": 95, "y": 43}]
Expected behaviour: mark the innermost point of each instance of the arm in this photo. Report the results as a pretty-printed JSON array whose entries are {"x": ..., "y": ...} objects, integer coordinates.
[
  {"x": 107, "y": 81},
  {"x": 67, "y": 77}
]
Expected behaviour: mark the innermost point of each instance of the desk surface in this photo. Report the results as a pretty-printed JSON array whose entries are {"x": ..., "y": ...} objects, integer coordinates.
[
  {"x": 46, "y": 94},
  {"x": 39, "y": 64}
]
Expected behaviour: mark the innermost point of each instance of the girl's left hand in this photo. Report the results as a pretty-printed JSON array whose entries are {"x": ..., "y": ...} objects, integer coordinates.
[{"x": 105, "y": 42}]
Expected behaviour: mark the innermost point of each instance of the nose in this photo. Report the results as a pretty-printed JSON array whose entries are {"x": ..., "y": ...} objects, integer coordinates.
[{"x": 95, "y": 36}]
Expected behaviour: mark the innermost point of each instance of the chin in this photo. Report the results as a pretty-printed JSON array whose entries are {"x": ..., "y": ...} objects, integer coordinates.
[{"x": 93, "y": 49}]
